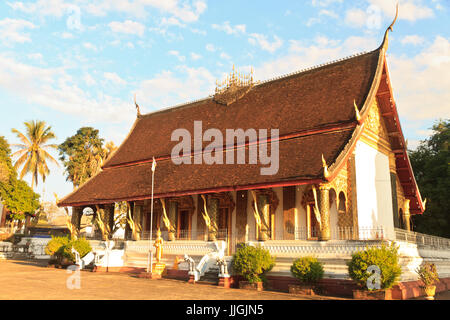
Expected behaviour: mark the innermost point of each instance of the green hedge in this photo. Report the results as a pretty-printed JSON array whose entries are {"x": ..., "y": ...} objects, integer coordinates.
[
  {"x": 385, "y": 258},
  {"x": 253, "y": 263},
  {"x": 307, "y": 269}
]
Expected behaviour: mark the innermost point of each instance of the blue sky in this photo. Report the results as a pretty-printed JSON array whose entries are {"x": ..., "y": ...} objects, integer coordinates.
[{"x": 79, "y": 63}]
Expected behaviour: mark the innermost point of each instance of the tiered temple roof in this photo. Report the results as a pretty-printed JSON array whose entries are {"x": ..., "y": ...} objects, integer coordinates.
[{"x": 313, "y": 110}]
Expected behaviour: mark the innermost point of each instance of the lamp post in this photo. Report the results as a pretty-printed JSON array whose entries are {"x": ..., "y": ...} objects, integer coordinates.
[{"x": 150, "y": 260}]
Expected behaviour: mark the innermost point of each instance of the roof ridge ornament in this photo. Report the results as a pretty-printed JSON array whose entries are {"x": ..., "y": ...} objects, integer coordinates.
[
  {"x": 358, "y": 115},
  {"x": 385, "y": 43},
  {"x": 326, "y": 174},
  {"x": 137, "y": 106},
  {"x": 235, "y": 86}
]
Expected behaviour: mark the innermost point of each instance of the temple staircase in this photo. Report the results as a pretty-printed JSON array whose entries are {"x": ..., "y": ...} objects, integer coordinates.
[{"x": 211, "y": 276}]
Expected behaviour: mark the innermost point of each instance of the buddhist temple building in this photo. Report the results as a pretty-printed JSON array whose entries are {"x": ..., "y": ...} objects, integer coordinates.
[{"x": 344, "y": 177}]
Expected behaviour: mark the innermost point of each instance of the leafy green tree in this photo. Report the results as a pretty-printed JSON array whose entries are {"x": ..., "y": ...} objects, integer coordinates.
[
  {"x": 83, "y": 155},
  {"x": 6, "y": 169},
  {"x": 18, "y": 197},
  {"x": 33, "y": 153},
  {"x": 431, "y": 165}
]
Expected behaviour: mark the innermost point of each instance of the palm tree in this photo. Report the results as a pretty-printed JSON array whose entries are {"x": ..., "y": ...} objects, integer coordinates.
[{"x": 33, "y": 152}]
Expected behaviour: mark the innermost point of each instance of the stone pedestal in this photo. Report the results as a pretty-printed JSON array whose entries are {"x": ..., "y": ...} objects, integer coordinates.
[
  {"x": 193, "y": 277},
  {"x": 158, "y": 270},
  {"x": 224, "y": 281}
]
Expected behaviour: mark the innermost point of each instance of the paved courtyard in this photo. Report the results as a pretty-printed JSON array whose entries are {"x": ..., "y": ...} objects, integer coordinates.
[{"x": 34, "y": 281}]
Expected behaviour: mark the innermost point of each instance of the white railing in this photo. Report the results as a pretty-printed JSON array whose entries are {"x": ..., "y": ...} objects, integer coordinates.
[
  {"x": 337, "y": 233},
  {"x": 222, "y": 234},
  {"x": 421, "y": 239}
]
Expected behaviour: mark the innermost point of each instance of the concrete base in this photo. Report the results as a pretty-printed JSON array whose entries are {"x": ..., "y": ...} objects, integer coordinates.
[
  {"x": 224, "y": 282},
  {"x": 191, "y": 279}
]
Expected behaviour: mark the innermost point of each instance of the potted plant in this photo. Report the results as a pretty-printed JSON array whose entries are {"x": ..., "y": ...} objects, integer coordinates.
[
  {"x": 252, "y": 263},
  {"x": 429, "y": 276},
  {"x": 309, "y": 271},
  {"x": 376, "y": 271}
]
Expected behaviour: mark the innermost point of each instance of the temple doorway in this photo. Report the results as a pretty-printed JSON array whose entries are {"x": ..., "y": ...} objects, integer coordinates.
[{"x": 183, "y": 226}]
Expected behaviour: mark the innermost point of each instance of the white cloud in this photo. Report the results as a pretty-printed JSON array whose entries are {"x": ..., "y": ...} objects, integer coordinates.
[
  {"x": 54, "y": 88},
  {"x": 356, "y": 18},
  {"x": 421, "y": 83},
  {"x": 127, "y": 27},
  {"x": 195, "y": 56},
  {"x": 171, "y": 21},
  {"x": 210, "y": 47},
  {"x": 177, "y": 54},
  {"x": 186, "y": 11},
  {"x": 228, "y": 29},
  {"x": 411, "y": 10},
  {"x": 56, "y": 8},
  {"x": 35, "y": 56},
  {"x": 114, "y": 78},
  {"x": 328, "y": 13},
  {"x": 324, "y": 3},
  {"x": 89, "y": 80},
  {"x": 198, "y": 31},
  {"x": 312, "y": 21},
  {"x": 261, "y": 40},
  {"x": 66, "y": 35},
  {"x": 225, "y": 56},
  {"x": 90, "y": 46},
  {"x": 169, "y": 88},
  {"x": 413, "y": 39},
  {"x": 11, "y": 31},
  {"x": 302, "y": 56}
]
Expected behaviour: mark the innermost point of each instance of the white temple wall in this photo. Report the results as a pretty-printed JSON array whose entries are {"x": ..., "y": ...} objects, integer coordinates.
[{"x": 374, "y": 197}]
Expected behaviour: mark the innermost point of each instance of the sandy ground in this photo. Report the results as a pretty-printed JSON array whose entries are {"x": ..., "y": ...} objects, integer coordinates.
[
  {"x": 31, "y": 280},
  {"x": 34, "y": 281}
]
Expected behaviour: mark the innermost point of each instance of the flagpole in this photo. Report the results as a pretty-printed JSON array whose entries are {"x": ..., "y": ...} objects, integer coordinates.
[{"x": 149, "y": 267}]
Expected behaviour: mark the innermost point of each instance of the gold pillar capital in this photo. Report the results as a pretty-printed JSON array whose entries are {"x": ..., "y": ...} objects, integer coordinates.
[{"x": 324, "y": 186}]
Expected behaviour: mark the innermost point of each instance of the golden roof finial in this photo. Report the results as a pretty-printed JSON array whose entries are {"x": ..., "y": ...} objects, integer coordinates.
[
  {"x": 326, "y": 174},
  {"x": 235, "y": 79},
  {"x": 358, "y": 115}
]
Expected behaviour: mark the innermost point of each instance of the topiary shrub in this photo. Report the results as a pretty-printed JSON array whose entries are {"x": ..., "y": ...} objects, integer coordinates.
[
  {"x": 61, "y": 247},
  {"x": 253, "y": 263},
  {"x": 307, "y": 269},
  {"x": 55, "y": 244},
  {"x": 384, "y": 258}
]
